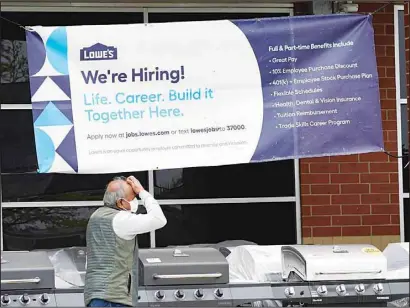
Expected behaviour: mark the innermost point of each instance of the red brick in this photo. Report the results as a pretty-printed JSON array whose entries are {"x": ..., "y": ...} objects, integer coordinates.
[
  {"x": 383, "y": 188},
  {"x": 394, "y": 177},
  {"x": 383, "y": 40},
  {"x": 388, "y": 104},
  {"x": 390, "y": 72},
  {"x": 375, "y": 178},
  {"x": 385, "y": 62},
  {"x": 356, "y": 231},
  {"x": 344, "y": 178},
  {"x": 391, "y": 147},
  {"x": 326, "y": 210},
  {"x": 389, "y": 29},
  {"x": 395, "y": 219},
  {"x": 324, "y": 159},
  {"x": 383, "y": 167},
  {"x": 306, "y": 232},
  {"x": 327, "y": 231},
  {"x": 345, "y": 199},
  {"x": 316, "y": 221},
  {"x": 346, "y": 220},
  {"x": 383, "y": 19},
  {"x": 345, "y": 158},
  {"x": 389, "y": 9},
  {"x": 372, "y": 220},
  {"x": 305, "y": 189},
  {"x": 381, "y": 71},
  {"x": 324, "y": 168},
  {"x": 389, "y": 125},
  {"x": 315, "y": 200},
  {"x": 391, "y": 114},
  {"x": 394, "y": 198},
  {"x": 391, "y": 93},
  {"x": 314, "y": 178},
  {"x": 386, "y": 82},
  {"x": 373, "y": 157},
  {"x": 390, "y": 51},
  {"x": 379, "y": 29},
  {"x": 385, "y": 135},
  {"x": 355, "y": 188},
  {"x": 306, "y": 211},
  {"x": 354, "y": 167},
  {"x": 386, "y": 230},
  {"x": 384, "y": 115},
  {"x": 304, "y": 167},
  {"x": 326, "y": 189},
  {"x": 391, "y": 158},
  {"x": 392, "y": 136},
  {"x": 383, "y": 93},
  {"x": 375, "y": 198},
  {"x": 356, "y": 209},
  {"x": 381, "y": 51},
  {"x": 385, "y": 208}
]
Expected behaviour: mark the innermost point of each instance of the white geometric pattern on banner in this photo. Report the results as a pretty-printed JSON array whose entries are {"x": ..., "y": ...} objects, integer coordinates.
[
  {"x": 47, "y": 70},
  {"x": 45, "y": 33},
  {"x": 49, "y": 91},
  {"x": 60, "y": 165},
  {"x": 56, "y": 133}
]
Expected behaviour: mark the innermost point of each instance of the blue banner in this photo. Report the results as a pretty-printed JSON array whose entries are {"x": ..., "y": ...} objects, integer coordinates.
[{"x": 124, "y": 98}]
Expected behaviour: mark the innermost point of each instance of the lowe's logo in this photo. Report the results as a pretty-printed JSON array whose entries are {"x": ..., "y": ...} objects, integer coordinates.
[{"x": 98, "y": 52}]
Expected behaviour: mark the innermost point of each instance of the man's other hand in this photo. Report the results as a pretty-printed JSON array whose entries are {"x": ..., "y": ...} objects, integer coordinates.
[{"x": 135, "y": 184}]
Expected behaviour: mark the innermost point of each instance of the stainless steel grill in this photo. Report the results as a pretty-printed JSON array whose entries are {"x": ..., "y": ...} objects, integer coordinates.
[
  {"x": 346, "y": 275},
  {"x": 28, "y": 279}
]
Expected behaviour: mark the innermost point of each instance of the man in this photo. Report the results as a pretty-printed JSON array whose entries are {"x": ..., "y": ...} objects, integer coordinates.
[{"x": 111, "y": 279}]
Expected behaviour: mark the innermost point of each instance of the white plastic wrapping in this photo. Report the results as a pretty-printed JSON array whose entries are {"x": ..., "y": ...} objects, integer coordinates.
[
  {"x": 255, "y": 263},
  {"x": 397, "y": 255},
  {"x": 403, "y": 302},
  {"x": 251, "y": 263},
  {"x": 69, "y": 265}
]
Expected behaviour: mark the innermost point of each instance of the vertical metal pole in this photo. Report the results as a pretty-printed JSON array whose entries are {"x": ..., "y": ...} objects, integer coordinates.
[
  {"x": 150, "y": 172},
  {"x": 1, "y": 187}
]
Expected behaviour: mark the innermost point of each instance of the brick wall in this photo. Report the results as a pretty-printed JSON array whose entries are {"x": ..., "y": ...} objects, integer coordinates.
[{"x": 357, "y": 195}]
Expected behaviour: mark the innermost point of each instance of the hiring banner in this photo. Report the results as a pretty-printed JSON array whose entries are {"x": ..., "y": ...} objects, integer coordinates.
[{"x": 118, "y": 98}]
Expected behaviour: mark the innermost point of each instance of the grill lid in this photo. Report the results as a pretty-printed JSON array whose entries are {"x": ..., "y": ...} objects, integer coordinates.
[
  {"x": 23, "y": 270},
  {"x": 176, "y": 266},
  {"x": 329, "y": 262}
]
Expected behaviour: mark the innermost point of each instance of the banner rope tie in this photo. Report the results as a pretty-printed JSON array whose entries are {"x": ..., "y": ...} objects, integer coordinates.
[{"x": 26, "y": 28}]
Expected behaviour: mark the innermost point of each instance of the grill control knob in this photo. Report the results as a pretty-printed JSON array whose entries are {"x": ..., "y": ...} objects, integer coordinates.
[
  {"x": 44, "y": 299},
  {"x": 199, "y": 294},
  {"x": 378, "y": 288},
  {"x": 289, "y": 292},
  {"x": 179, "y": 294},
  {"x": 359, "y": 288},
  {"x": 159, "y": 295},
  {"x": 25, "y": 299},
  {"x": 322, "y": 290},
  {"x": 341, "y": 290},
  {"x": 5, "y": 300},
  {"x": 219, "y": 293}
]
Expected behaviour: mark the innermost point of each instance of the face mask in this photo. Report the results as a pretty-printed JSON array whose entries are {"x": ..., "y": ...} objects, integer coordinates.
[{"x": 133, "y": 205}]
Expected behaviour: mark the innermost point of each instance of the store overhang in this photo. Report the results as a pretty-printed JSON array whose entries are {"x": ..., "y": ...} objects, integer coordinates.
[{"x": 185, "y": 3}]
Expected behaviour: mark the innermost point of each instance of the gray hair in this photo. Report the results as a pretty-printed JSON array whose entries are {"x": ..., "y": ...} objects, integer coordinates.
[{"x": 111, "y": 197}]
